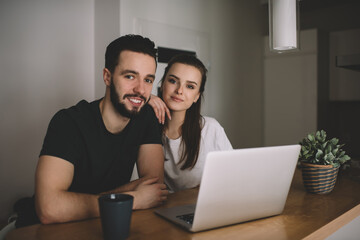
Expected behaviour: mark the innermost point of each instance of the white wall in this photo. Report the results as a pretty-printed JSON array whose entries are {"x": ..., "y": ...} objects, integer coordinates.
[
  {"x": 290, "y": 92},
  {"x": 237, "y": 60},
  {"x": 107, "y": 28},
  {"x": 46, "y": 63}
]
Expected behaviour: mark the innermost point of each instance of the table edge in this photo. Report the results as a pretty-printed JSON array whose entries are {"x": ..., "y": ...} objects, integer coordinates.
[{"x": 328, "y": 229}]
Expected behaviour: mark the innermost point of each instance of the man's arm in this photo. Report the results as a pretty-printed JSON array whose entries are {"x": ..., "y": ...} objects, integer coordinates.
[
  {"x": 53, "y": 202},
  {"x": 151, "y": 190},
  {"x": 150, "y": 162}
]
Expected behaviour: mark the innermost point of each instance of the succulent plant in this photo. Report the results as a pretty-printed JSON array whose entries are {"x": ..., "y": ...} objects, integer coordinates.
[{"x": 316, "y": 149}]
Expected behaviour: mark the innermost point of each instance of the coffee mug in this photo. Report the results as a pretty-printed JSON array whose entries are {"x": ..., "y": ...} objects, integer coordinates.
[{"x": 115, "y": 213}]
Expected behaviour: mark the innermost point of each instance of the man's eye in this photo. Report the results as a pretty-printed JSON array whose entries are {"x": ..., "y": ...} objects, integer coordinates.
[
  {"x": 149, "y": 80},
  {"x": 129, "y": 76}
]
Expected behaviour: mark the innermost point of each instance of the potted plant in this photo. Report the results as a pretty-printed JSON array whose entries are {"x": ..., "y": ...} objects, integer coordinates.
[{"x": 320, "y": 160}]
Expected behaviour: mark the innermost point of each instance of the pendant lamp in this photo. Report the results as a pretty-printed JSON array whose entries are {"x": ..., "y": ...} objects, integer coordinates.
[{"x": 284, "y": 25}]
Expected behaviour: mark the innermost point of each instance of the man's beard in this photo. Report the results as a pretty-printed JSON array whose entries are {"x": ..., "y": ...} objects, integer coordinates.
[{"x": 120, "y": 107}]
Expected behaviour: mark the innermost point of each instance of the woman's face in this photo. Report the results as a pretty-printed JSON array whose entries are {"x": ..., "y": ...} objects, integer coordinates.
[{"x": 180, "y": 88}]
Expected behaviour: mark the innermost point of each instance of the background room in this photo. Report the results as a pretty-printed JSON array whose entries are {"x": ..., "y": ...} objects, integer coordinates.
[{"x": 52, "y": 55}]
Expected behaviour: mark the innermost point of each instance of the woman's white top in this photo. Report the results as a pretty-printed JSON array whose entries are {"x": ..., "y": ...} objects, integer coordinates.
[{"x": 213, "y": 138}]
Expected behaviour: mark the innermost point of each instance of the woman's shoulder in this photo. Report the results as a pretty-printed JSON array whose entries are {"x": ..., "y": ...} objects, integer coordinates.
[
  {"x": 210, "y": 123},
  {"x": 214, "y": 134}
]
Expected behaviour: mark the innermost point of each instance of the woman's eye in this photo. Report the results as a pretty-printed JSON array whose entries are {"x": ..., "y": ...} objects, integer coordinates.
[
  {"x": 190, "y": 87},
  {"x": 171, "y": 80}
]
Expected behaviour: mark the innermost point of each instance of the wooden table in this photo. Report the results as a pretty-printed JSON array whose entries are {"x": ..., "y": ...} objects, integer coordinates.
[{"x": 305, "y": 215}]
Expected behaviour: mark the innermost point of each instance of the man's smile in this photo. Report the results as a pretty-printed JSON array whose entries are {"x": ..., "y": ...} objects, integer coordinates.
[{"x": 135, "y": 101}]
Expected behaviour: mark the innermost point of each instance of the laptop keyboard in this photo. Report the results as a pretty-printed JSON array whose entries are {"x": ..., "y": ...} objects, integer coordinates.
[{"x": 188, "y": 218}]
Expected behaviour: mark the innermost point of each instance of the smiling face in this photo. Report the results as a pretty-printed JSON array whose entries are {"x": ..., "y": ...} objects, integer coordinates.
[
  {"x": 131, "y": 83},
  {"x": 180, "y": 88}
]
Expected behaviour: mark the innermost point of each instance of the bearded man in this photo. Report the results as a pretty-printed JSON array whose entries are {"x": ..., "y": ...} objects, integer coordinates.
[{"x": 91, "y": 148}]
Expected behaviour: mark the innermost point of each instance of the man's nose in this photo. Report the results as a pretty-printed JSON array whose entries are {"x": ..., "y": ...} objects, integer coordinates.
[{"x": 140, "y": 87}]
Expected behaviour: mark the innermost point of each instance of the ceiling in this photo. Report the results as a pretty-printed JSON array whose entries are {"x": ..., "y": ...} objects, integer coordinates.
[{"x": 310, "y": 5}]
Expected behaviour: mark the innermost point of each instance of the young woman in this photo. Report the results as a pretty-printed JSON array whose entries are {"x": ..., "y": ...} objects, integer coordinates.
[{"x": 187, "y": 136}]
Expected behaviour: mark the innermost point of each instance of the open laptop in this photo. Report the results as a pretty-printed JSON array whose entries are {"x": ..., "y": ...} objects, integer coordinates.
[{"x": 238, "y": 185}]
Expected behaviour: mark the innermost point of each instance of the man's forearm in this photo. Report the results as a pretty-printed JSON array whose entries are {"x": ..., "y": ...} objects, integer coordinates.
[
  {"x": 131, "y": 186},
  {"x": 63, "y": 206},
  {"x": 147, "y": 191}
]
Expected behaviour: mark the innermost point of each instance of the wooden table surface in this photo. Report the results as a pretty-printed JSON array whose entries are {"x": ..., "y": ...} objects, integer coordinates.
[{"x": 306, "y": 215}]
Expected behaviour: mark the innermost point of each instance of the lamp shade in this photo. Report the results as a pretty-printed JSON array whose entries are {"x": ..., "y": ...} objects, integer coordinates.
[{"x": 283, "y": 25}]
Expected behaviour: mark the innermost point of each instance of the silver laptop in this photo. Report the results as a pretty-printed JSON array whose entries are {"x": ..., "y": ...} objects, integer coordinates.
[{"x": 237, "y": 186}]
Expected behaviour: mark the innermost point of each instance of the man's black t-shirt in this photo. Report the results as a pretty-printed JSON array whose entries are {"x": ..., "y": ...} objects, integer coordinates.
[{"x": 102, "y": 160}]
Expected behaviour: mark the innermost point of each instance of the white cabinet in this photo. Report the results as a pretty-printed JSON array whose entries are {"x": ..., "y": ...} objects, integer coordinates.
[{"x": 344, "y": 83}]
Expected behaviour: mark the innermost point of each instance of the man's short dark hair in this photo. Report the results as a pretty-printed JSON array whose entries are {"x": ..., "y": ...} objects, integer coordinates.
[{"x": 135, "y": 43}]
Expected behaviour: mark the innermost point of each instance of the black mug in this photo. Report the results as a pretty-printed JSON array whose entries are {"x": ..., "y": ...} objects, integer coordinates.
[{"x": 115, "y": 213}]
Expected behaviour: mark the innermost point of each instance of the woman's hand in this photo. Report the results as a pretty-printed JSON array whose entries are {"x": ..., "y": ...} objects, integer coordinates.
[{"x": 160, "y": 108}]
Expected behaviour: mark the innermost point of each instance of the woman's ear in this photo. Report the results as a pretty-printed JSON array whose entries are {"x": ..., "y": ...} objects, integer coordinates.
[
  {"x": 107, "y": 76},
  {"x": 197, "y": 98}
]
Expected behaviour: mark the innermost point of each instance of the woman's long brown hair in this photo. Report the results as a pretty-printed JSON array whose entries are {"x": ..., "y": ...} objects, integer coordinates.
[{"x": 192, "y": 126}]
